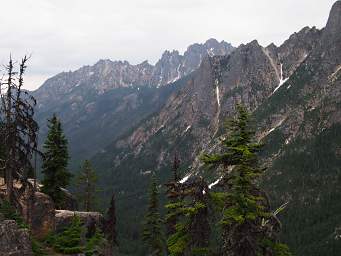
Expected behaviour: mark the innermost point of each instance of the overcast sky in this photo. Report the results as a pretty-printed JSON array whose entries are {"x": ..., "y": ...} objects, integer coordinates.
[{"x": 63, "y": 35}]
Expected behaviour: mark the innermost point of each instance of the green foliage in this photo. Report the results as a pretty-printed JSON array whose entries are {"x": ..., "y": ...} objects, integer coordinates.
[
  {"x": 85, "y": 183},
  {"x": 95, "y": 244},
  {"x": 55, "y": 162},
  {"x": 310, "y": 175},
  {"x": 72, "y": 240},
  {"x": 11, "y": 213},
  {"x": 152, "y": 232},
  {"x": 279, "y": 249},
  {"x": 69, "y": 241},
  {"x": 178, "y": 242},
  {"x": 192, "y": 230},
  {"x": 37, "y": 248},
  {"x": 243, "y": 205}
]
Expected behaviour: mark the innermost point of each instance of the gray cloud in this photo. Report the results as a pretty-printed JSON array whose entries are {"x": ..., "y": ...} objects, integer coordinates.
[{"x": 63, "y": 35}]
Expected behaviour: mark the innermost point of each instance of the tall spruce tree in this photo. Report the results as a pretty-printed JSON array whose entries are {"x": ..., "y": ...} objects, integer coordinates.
[
  {"x": 152, "y": 231},
  {"x": 249, "y": 227},
  {"x": 192, "y": 233},
  {"x": 110, "y": 223},
  {"x": 173, "y": 194},
  {"x": 55, "y": 161},
  {"x": 86, "y": 186}
]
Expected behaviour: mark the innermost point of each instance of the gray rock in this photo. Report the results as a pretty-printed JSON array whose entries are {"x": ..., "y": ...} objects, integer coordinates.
[
  {"x": 69, "y": 201},
  {"x": 14, "y": 241},
  {"x": 64, "y": 218},
  {"x": 42, "y": 219}
]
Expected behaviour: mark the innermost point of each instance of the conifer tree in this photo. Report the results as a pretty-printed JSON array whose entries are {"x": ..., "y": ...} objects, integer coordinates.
[
  {"x": 249, "y": 227},
  {"x": 55, "y": 160},
  {"x": 86, "y": 186},
  {"x": 2, "y": 152},
  {"x": 152, "y": 233},
  {"x": 18, "y": 131},
  {"x": 192, "y": 233},
  {"x": 173, "y": 194},
  {"x": 199, "y": 227},
  {"x": 110, "y": 223}
]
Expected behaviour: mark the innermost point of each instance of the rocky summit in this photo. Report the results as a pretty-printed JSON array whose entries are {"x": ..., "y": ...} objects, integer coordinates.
[{"x": 113, "y": 96}]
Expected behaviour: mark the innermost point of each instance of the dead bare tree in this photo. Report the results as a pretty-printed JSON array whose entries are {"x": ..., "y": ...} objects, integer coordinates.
[{"x": 18, "y": 131}]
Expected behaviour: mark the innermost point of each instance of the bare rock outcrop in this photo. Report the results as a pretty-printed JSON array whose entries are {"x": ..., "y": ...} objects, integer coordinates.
[
  {"x": 13, "y": 240},
  {"x": 42, "y": 220},
  {"x": 69, "y": 201},
  {"x": 64, "y": 218}
]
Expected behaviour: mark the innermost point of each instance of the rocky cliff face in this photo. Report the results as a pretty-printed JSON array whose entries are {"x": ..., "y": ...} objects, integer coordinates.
[
  {"x": 251, "y": 74},
  {"x": 98, "y": 103},
  {"x": 302, "y": 123},
  {"x": 13, "y": 240},
  {"x": 294, "y": 93},
  {"x": 173, "y": 66},
  {"x": 106, "y": 75}
]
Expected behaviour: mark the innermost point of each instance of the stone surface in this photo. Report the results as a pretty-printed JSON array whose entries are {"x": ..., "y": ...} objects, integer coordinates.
[
  {"x": 64, "y": 218},
  {"x": 42, "y": 219},
  {"x": 115, "y": 93},
  {"x": 14, "y": 241},
  {"x": 69, "y": 201}
]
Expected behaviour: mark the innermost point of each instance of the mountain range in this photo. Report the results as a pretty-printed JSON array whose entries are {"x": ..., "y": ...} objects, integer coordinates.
[
  {"x": 132, "y": 119},
  {"x": 110, "y": 97}
]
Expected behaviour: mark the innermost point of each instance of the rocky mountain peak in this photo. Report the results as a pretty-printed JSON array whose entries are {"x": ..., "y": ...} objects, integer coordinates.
[
  {"x": 332, "y": 31},
  {"x": 106, "y": 74}
]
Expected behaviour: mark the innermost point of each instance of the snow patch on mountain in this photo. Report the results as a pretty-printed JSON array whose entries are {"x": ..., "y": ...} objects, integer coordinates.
[
  {"x": 217, "y": 94},
  {"x": 188, "y": 127},
  {"x": 184, "y": 179},
  {"x": 281, "y": 80},
  {"x": 215, "y": 183}
]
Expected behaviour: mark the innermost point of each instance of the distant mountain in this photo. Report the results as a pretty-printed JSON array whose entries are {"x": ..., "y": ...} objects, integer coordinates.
[
  {"x": 98, "y": 103},
  {"x": 293, "y": 92}
]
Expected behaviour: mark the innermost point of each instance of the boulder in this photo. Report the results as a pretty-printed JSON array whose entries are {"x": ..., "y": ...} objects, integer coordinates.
[
  {"x": 42, "y": 219},
  {"x": 69, "y": 201},
  {"x": 13, "y": 240},
  {"x": 64, "y": 218}
]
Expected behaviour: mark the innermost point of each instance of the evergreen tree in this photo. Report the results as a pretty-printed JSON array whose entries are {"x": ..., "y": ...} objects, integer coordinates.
[
  {"x": 192, "y": 233},
  {"x": 55, "y": 160},
  {"x": 2, "y": 151},
  {"x": 70, "y": 240},
  {"x": 249, "y": 227},
  {"x": 173, "y": 194},
  {"x": 18, "y": 131},
  {"x": 110, "y": 223},
  {"x": 86, "y": 186},
  {"x": 152, "y": 234}
]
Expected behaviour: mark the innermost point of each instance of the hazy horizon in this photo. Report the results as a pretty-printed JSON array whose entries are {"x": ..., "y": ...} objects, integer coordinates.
[{"x": 64, "y": 35}]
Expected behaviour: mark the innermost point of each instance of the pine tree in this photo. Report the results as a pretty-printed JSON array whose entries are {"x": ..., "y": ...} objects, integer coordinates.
[
  {"x": 192, "y": 233},
  {"x": 173, "y": 194},
  {"x": 110, "y": 223},
  {"x": 152, "y": 234},
  {"x": 18, "y": 131},
  {"x": 2, "y": 151},
  {"x": 55, "y": 160},
  {"x": 249, "y": 227},
  {"x": 86, "y": 186},
  {"x": 198, "y": 225},
  {"x": 70, "y": 240}
]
